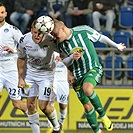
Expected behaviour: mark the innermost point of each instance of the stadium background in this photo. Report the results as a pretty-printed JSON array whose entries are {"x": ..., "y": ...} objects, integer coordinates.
[{"x": 116, "y": 101}]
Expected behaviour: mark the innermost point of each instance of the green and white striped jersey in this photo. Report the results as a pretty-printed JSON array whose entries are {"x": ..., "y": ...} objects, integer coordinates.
[{"x": 81, "y": 40}]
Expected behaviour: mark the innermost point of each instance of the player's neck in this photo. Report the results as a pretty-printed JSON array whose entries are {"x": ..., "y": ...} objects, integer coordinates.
[
  {"x": 2, "y": 23},
  {"x": 69, "y": 34}
]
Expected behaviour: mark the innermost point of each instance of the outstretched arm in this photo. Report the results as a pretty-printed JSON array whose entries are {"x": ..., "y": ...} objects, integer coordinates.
[
  {"x": 69, "y": 60},
  {"x": 104, "y": 39}
]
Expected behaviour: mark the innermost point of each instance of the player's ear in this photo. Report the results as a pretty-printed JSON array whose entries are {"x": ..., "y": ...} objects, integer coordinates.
[{"x": 5, "y": 14}]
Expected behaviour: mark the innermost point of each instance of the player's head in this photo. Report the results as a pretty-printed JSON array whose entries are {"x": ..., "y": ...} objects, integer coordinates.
[
  {"x": 3, "y": 13},
  {"x": 60, "y": 31},
  {"x": 37, "y": 36}
]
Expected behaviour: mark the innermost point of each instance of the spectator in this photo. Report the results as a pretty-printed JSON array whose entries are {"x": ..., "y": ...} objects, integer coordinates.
[
  {"x": 120, "y": 3},
  {"x": 24, "y": 11},
  {"x": 43, "y": 9},
  {"x": 81, "y": 12},
  {"x": 103, "y": 10},
  {"x": 128, "y": 2},
  {"x": 57, "y": 9}
]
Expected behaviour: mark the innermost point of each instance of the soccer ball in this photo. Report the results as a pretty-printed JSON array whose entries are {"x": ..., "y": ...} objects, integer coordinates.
[{"x": 45, "y": 24}]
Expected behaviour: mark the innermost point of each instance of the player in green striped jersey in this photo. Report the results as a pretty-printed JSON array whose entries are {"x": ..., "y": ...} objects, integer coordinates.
[{"x": 77, "y": 43}]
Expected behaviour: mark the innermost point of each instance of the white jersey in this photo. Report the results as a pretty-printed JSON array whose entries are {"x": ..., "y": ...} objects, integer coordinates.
[
  {"x": 60, "y": 72},
  {"x": 60, "y": 84},
  {"x": 40, "y": 57},
  {"x": 9, "y": 36},
  {"x": 38, "y": 77}
]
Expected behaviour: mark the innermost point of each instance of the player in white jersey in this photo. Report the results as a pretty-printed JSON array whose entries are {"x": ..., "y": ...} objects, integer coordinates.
[
  {"x": 36, "y": 50},
  {"x": 9, "y": 36},
  {"x": 61, "y": 90},
  {"x": 60, "y": 84}
]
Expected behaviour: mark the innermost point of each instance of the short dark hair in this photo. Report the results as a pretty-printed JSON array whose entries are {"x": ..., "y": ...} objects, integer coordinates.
[{"x": 1, "y": 4}]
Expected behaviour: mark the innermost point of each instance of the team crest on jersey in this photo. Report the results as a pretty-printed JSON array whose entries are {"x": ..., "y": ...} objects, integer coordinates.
[
  {"x": 6, "y": 30},
  {"x": 77, "y": 49}
]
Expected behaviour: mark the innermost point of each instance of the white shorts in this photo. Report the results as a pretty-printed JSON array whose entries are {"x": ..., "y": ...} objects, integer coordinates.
[
  {"x": 40, "y": 86},
  {"x": 9, "y": 80},
  {"x": 61, "y": 91}
]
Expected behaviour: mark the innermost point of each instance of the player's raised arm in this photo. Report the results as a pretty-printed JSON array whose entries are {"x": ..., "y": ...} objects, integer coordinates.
[{"x": 104, "y": 39}]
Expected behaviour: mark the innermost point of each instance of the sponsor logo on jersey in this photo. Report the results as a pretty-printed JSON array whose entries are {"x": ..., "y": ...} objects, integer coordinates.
[{"x": 77, "y": 49}]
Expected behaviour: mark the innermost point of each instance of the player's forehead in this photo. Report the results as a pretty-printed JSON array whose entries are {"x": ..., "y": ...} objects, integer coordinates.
[
  {"x": 2, "y": 9},
  {"x": 37, "y": 32}
]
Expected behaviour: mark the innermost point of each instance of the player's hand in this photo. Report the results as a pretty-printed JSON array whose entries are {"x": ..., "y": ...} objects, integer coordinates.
[
  {"x": 21, "y": 83},
  {"x": 54, "y": 16},
  {"x": 30, "y": 12},
  {"x": 8, "y": 49},
  {"x": 71, "y": 79},
  {"x": 58, "y": 58},
  {"x": 76, "y": 55},
  {"x": 121, "y": 46}
]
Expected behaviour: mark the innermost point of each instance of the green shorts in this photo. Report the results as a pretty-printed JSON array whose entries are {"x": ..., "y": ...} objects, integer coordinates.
[{"x": 91, "y": 77}]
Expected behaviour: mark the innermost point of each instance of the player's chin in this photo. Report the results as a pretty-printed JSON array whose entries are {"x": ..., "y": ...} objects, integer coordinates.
[{"x": 37, "y": 41}]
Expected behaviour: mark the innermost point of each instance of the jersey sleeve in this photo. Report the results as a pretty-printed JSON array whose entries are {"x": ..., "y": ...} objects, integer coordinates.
[
  {"x": 92, "y": 34},
  {"x": 21, "y": 49},
  {"x": 56, "y": 54},
  {"x": 17, "y": 34}
]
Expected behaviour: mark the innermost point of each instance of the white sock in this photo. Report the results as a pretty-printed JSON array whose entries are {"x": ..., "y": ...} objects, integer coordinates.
[
  {"x": 26, "y": 112},
  {"x": 34, "y": 122},
  {"x": 50, "y": 124},
  {"x": 62, "y": 115},
  {"x": 53, "y": 119}
]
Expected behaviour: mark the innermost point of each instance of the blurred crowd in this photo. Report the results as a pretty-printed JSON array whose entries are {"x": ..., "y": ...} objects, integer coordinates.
[{"x": 98, "y": 14}]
